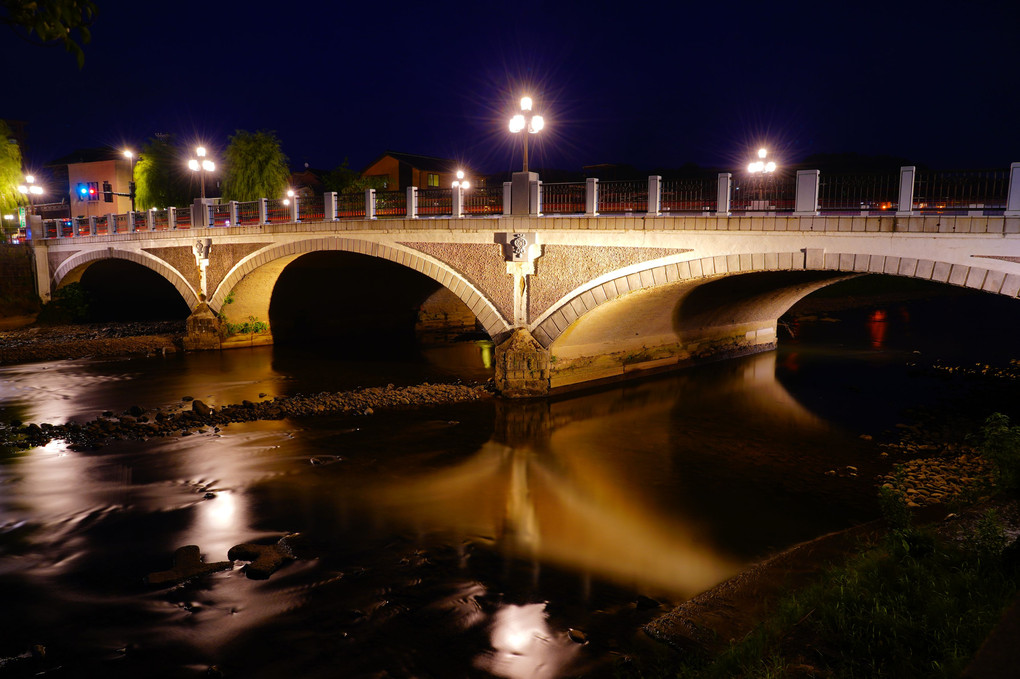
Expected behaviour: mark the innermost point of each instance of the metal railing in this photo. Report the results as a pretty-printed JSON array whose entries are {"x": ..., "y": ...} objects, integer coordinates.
[
  {"x": 690, "y": 195},
  {"x": 160, "y": 219},
  {"x": 391, "y": 203},
  {"x": 961, "y": 191},
  {"x": 311, "y": 209},
  {"x": 435, "y": 202},
  {"x": 183, "y": 218},
  {"x": 248, "y": 212},
  {"x": 219, "y": 214},
  {"x": 774, "y": 192},
  {"x": 859, "y": 193},
  {"x": 484, "y": 201},
  {"x": 566, "y": 198},
  {"x": 350, "y": 205},
  {"x": 623, "y": 196}
]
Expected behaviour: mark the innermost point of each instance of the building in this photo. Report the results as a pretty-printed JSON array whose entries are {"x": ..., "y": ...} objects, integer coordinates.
[
  {"x": 397, "y": 171},
  {"x": 88, "y": 174}
]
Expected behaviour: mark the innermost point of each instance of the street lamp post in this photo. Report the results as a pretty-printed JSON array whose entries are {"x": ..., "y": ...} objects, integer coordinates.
[
  {"x": 131, "y": 182},
  {"x": 460, "y": 181},
  {"x": 31, "y": 189},
  {"x": 201, "y": 167},
  {"x": 525, "y": 119},
  {"x": 761, "y": 170}
]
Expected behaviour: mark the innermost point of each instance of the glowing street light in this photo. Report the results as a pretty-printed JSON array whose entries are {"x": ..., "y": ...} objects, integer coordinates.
[
  {"x": 131, "y": 182},
  {"x": 760, "y": 166},
  {"x": 460, "y": 181},
  {"x": 30, "y": 189},
  {"x": 201, "y": 167},
  {"x": 290, "y": 194},
  {"x": 524, "y": 119}
]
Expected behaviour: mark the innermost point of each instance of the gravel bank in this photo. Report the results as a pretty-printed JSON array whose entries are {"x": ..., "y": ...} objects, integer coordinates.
[{"x": 39, "y": 343}]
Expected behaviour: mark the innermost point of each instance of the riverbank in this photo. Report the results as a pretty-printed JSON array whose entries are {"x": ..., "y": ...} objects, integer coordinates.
[{"x": 33, "y": 343}]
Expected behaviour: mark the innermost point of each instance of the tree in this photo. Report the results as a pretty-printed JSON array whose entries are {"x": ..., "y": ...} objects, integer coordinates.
[
  {"x": 159, "y": 181},
  {"x": 254, "y": 167},
  {"x": 343, "y": 179},
  {"x": 10, "y": 177},
  {"x": 51, "y": 22}
]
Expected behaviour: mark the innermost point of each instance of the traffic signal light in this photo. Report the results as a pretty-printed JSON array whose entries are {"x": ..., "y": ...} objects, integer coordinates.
[
  {"x": 107, "y": 192},
  {"x": 93, "y": 190},
  {"x": 83, "y": 191}
]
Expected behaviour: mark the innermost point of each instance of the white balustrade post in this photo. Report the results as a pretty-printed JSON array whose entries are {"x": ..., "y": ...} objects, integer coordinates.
[
  {"x": 75, "y": 226},
  {"x": 263, "y": 211},
  {"x": 536, "y": 197},
  {"x": 369, "y": 203},
  {"x": 458, "y": 202},
  {"x": 412, "y": 202},
  {"x": 507, "y": 198},
  {"x": 807, "y": 193},
  {"x": 111, "y": 223},
  {"x": 591, "y": 197},
  {"x": 92, "y": 225},
  {"x": 723, "y": 194},
  {"x": 1013, "y": 197},
  {"x": 329, "y": 206},
  {"x": 906, "y": 204},
  {"x": 131, "y": 221},
  {"x": 233, "y": 213},
  {"x": 199, "y": 214},
  {"x": 150, "y": 220},
  {"x": 171, "y": 218},
  {"x": 654, "y": 195},
  {"x": 294, "y": 212}
]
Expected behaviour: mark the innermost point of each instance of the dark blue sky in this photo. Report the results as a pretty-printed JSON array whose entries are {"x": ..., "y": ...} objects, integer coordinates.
[{"x": 653, "y": 84}]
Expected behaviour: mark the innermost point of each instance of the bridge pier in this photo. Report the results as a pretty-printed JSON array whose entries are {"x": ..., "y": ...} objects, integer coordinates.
[
  {"x": 203, "y": 328},
  {"x": 521, "y": 366}
]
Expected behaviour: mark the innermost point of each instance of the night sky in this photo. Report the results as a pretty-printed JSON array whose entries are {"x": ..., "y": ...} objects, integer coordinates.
[{"x": 651, "y": 84}]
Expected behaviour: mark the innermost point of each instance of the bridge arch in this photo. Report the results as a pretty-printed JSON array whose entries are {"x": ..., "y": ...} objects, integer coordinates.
[
  {"x": 72, "y": 268},
  {"x": 282, "y": 254},
  {"x": 554, "y": 322}
]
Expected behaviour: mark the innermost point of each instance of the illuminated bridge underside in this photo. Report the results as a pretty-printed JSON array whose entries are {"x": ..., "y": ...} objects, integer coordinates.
[{"x": 588, "y": 298}]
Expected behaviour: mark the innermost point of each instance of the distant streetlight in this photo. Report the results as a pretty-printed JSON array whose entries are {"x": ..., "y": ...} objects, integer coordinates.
[
  {"x": 524, "y": 119},
  {"x": 131, "y": 183},
  {"x": 201, "y": 167},
  {"x": 761, "y": 171},
  {"x": 30, "y": 189},
  {"x": 290, "y": 194},
  {"x": 460, "y": 181}
]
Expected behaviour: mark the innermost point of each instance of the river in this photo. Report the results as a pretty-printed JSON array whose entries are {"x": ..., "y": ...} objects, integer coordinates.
[{"x": 451, "y": 541}]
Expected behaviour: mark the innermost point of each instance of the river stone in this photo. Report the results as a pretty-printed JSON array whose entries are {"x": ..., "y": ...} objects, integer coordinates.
[
  {"x": 187, "y": 564},
  {"x": 264, "y": 560},
  {"x": 201, "y": 408}
]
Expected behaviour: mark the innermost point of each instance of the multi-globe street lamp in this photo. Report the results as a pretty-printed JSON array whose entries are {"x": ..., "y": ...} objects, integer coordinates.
[
  {"x": 460, "y": 181},
  {"x": 761, "y": 171},
  {"x": 201, "y": 167},
  {"x": 30, "y": 189},
  {"x": 525, "y": 119}
]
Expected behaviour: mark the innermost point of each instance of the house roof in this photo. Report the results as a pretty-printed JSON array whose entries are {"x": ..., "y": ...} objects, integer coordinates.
[{"x": 427, "y": 163}]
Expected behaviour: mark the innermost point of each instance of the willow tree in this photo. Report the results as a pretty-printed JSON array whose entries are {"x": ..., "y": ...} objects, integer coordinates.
[
  {"x": 254, "y": 167},
  {"x": 51, "y": 22},
  {"x": 10, "y": 177},
  {"x": 160, "y": 181}
]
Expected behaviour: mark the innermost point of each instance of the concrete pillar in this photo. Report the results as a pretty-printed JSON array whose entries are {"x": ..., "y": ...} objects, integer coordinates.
[
  {"x": 654, "y": 195},
  {"x": 171, "y": 218},
  {"x": 202, "y": 328},
  {"x": 807, "y": 193},
  {"x": 520, "y": 193},
  {"x": 369, "y": 203},
  {"x": 591, "y": 197},
  {"x": 1013, "y": 198},
  {"x": 535, "y": 196},
  {"x": 150, "y": 220},
  {"x": 723, "y": 195},
  {"x": 412, "y": 202},
  {"x": 521, "y": 366},
  {"x": 294, "y": 212},
  {"x": 92, "y": 225},
  {"x": 329, "y": 206},
  {"x": 75, "y": 226},
  {"x": 41, "y": 268},
  {"x": 263, "y": 211},
  {"x": 906, "y": 200},
  {"x": 200, "y": 214},
  {"x": 233, "y": 213},
  {"x": 111, "y": 223},
  {"x": 458, "y": 202},
  {"x": 507, "y": 198},
  {"x": 131, "y": 221}
]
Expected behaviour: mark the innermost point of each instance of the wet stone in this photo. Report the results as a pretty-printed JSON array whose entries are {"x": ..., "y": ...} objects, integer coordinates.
[{"x": 187, "y": 564}]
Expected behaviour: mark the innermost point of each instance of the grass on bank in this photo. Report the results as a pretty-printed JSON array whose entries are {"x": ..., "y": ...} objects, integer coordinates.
[{"x": 917, "y": 604}]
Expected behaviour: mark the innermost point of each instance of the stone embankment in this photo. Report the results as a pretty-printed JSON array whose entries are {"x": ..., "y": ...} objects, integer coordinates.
[
  {"x": 136, "y": 423},
  {"x": 53, "y": 343}
]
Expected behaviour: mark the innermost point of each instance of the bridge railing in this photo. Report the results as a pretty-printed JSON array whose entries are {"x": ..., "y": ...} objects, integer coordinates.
[
  {"x": 689, "y": 195},
  {"x": 804, "y": 193}
]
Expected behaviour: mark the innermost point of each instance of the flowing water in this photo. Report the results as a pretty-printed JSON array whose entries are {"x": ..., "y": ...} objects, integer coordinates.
[{"x": 451, "y": 541}]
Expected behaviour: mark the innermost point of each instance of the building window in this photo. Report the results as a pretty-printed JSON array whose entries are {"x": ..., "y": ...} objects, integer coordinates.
[{"x": 433, "y": 179}]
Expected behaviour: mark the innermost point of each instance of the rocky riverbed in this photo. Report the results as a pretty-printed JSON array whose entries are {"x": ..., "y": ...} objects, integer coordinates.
[{"x": 53, "y": 343}]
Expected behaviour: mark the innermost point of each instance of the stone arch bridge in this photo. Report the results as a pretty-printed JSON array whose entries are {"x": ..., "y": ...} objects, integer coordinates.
[{"x": 573, "y": 300}]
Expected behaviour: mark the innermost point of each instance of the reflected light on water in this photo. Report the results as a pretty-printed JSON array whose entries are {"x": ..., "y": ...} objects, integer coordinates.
[
  {"x": 524, "y": 646},
  {"x": 877, "y": 328}
]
